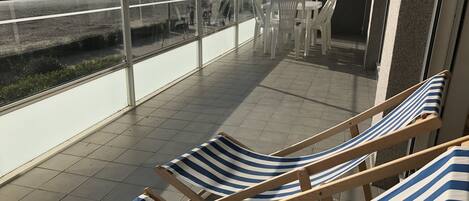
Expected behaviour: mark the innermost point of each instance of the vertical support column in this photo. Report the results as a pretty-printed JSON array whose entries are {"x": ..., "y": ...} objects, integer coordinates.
[
  {"x": 236, "y": 19},
  {"x": 375, "y": 36},
  {"x": 169, "y": 20},
  {"x": 140, "y": 11},
  {"x": 199, "y": 31},
  {"x": 403, "y": 59},
  {"x": 14, "y": 25},
  {"x": 128, "y": 52}
]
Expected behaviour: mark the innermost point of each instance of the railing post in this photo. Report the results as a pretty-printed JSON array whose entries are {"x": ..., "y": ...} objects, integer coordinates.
[
  {"x": 236, "y": 19},
  {"x": 14, "y": 25},
  {"x": 199, "y": 31},
  {"x": 126, "y": 34}
]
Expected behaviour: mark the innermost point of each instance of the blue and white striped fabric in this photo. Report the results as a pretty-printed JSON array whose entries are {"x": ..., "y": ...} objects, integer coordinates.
[
  {"x": 444, "y": 178},
  {"x": 222, "y": 167}
]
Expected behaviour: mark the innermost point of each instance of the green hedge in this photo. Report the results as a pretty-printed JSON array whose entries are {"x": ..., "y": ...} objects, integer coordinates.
[{"x": 33, "y": 84}]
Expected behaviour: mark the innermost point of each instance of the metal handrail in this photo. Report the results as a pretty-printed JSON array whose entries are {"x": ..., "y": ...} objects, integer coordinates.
[{"x": 42, "y": 17}]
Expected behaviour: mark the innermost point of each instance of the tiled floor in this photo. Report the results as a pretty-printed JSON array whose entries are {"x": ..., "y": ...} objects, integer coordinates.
[{"x": 266, "y": 104}]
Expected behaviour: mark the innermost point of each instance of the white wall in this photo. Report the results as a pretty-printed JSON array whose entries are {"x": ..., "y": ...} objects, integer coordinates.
[
  {"x": 156, "y": 72},
  {"x": 30, "y": 131},
  {"x": 216, "y": 44}
]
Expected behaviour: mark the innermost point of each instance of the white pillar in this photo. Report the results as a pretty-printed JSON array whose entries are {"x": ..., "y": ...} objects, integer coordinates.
[{"x": 386, "y": 57}]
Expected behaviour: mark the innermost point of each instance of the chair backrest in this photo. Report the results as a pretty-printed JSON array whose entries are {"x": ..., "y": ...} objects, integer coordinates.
[
  {"x": 258, "y": 11},
  {"x": 287, "y": 12},
  {"x": 326, "y": 12},
  {"x": 178, "y": 12},
  {"x": 331, "y": 10},
  {"x": 220, "y": 7},
  {"x": 302, "y": 11}
]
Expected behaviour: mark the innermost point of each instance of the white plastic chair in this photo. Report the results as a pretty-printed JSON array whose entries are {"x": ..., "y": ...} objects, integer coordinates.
[
  {"x": 321, "y": 23},
  {"x": 260, "y": 20},
  {"x": 182, "y": 20},
  {"x": 328, "y": 22},
  {"x": 283, "y": 23}
]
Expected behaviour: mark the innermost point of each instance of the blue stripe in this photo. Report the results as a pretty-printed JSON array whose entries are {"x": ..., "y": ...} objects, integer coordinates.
[
  {"x": 208, "y": 174},
  {"x": 450, "y": 185},
  {"x": 427, "y": 186},
  {"x": 198, "y": 181},
  {"x": 424, "y": 173},
  {"x": 276, "y": 167},
  {"x": 223, "y": 172},
  {"x": 258, "y": 156},
  {"x": 236, "y": 167}
]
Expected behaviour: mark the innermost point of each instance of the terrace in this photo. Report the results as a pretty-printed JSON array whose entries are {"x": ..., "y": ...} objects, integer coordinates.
[
  {"x": 145, "y": 101},
  {"x": 264, "y": 103}
]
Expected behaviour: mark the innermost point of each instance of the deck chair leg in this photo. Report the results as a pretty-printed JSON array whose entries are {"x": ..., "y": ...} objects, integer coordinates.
[
  {"x": 163, "y": 173},
  {"x": 366, "y": 187},
  {"x": 362, "y": 167},
  {"x": 147, "y": 191}
]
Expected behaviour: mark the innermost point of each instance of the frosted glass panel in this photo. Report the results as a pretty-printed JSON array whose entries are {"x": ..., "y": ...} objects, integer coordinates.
[
  {"x": 218, "y": 43},
  {"x": 158, "y": 71},
  {"x": 246, "y": 30},
  {"x": 30, "y": 131}
]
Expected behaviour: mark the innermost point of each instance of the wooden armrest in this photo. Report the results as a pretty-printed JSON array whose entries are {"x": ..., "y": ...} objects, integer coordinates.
[{"x": 377, "y": 173}]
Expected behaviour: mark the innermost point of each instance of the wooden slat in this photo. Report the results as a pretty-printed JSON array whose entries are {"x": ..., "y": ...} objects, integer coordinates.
[
  {"x": 362, "y": 167},
  {"x": 163, "y": 173},
  {"x": 429, "y": 124},
  {"x": 377, "y": 173},
  {"x": 303, "y": 177}
]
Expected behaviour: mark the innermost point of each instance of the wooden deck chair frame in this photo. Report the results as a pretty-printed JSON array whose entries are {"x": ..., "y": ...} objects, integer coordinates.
[
  {"x": 422, "y": 125},
  {"x": 410, "y": 162}
]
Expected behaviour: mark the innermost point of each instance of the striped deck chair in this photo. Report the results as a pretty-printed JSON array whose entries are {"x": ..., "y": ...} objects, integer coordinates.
[
  {"x": 225, "y": 167},
  {"x": 446, "y": 177}
]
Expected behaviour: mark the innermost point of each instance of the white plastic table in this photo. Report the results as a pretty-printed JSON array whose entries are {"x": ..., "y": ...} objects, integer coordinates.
[{"x": 310, "y": 7}]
